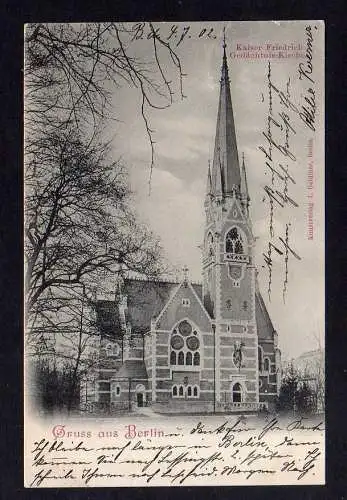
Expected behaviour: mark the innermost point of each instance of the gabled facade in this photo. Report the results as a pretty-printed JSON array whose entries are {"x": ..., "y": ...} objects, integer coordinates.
[{"x": 183, "y": 347}]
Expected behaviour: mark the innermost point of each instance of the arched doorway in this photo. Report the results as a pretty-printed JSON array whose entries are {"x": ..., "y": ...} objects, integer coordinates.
[
  {"x": 140, "y": 395},
  {"x": 237, "y": 393}
]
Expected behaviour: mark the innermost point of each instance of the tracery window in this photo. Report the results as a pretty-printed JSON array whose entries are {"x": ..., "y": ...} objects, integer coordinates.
[
  {"x": 234, "y": 242},
  {"x": 185, "y": 345}
]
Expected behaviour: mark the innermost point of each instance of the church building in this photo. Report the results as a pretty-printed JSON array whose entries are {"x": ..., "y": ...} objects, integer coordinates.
[{"x": 181, "y": 347}]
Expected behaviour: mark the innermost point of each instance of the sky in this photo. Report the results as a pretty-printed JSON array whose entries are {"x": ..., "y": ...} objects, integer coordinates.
[{"x": 184, "y": 141}]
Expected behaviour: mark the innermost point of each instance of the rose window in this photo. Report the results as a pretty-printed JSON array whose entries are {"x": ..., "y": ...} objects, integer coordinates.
[{"x": 185, "y": 345}]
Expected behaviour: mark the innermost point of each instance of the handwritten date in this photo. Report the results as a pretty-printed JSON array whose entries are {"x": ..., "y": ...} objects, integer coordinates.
[{"x": 175, "y": 33}]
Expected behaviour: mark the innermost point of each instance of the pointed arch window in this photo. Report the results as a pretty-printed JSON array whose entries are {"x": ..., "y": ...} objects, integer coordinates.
[
  {"x": 173, "y": 358},
  {"x": 174, "y": 390},
  {"x": 189, "y": 391},
  {"x": 181, "y": 390},
  {"x": 196, "y": 359},
  {"x": 234, "y": 241},
  {"x": 181, "y": 358},
  {"x": 189, "y": 358}
]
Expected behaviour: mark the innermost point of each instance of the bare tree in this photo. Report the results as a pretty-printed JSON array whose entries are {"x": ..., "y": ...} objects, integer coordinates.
[
  {"x": 70, "y": 349},
  {"x": 78, "y": 219},
  {"x": 71, "y": 71},
  {"x": 314, "y": 372},
  {"x": 79, "y": 225}
]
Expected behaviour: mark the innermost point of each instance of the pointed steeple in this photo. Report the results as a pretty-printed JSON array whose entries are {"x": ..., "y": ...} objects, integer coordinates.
[
  {"x": 209, "y": 180},
  {"x": 226, "y": 177}
]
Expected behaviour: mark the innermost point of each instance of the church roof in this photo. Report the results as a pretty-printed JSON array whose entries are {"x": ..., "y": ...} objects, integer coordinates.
[
  {"x": 132, "y": 368},
  {"x": 146, "y": 299},
  {"x": 264, "y": 324}
]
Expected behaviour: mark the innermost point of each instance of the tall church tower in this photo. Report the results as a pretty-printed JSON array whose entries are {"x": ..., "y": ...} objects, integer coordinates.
[{"x": 229, "y": 275}]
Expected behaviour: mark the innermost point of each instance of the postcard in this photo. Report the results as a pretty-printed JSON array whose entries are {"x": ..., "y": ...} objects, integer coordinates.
[{"x": 174, "y": 254}]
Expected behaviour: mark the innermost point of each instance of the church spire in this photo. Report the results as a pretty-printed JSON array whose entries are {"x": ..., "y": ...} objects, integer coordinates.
[{"x": 225, "y": 168}]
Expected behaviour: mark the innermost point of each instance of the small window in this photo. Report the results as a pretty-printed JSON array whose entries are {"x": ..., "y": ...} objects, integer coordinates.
[
  {"x": 173, "y": 358},
  {"x": 228, "y": 304},
  {"x": 174, "y": 390},
  {"x": 237, "y": 393},
  {"x": 245, "y": 305},
  {"x": 185, "y": 302},
  {"x": 181, "y": 358},
  {"x": 181, "y": 390},
  {"x": 195, "y": 391},
  {"x": 117, "y": 390},
  {"x": 196, "y": 359},
  {"x": 189, "y": 390},
  {"x": 189, "y": 358}
]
